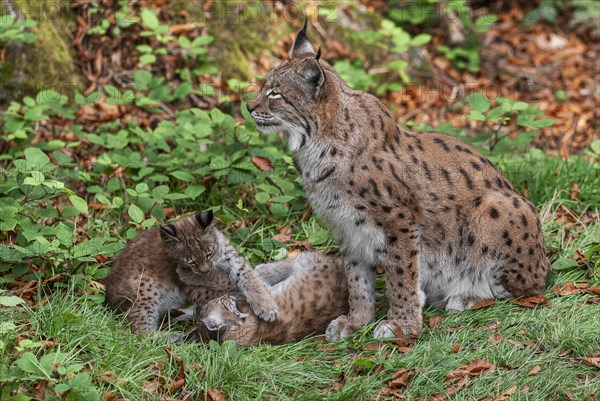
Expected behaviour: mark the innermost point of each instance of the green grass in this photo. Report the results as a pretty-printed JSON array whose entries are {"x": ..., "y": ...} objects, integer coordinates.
[
  {"x": 310, "y": 370},
  {"x": 513, "y": 338}
]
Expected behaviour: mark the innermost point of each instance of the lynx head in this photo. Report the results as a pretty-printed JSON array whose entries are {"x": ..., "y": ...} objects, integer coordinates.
[
  {"x": 226, "y": 318},
  {"x": 191, "y": 242},
  {"x": 291, "y": 93}
]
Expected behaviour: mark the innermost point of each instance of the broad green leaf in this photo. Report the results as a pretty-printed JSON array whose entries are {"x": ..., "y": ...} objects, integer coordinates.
[
  {"x": 149, "y": 18},
  {"x": 79, "y": 203},
  {"x": 479, "y": 102},
  {"x": 319, "y": 237},
  {"x": 564, "y": 264},
  {"x": 135, "y": 213},
  {"x": 420, "y": 39},
  {"x": 28, "y": 363},
  {"x": 279, "y": 209},
  {"x": 147, "y": 58},
  {"x": 262, "y": 197},
  {"x": 141, "y": 188},
  {"x": 475, "y": 116},
  {"x": 36, "y": 179},
  {"x": 36, "y": 159},
  {"x": 193, "y": 191},
  {"x": 10, "y": 300},
  {"x": 182, "y": 175},
  {"x": 64, "y": 234}
]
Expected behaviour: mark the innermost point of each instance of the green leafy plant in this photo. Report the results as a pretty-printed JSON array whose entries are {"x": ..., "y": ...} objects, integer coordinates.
[
  {"x": 524, "y": 115},
  {"x": 389, "y": 38}
]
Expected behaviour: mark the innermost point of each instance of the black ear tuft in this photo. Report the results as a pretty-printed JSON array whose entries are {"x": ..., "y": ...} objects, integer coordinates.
[
  {"x": 318, "y": 56},
  {"x": 302, "y": 46},
  {"x": 204, "y": 218}
]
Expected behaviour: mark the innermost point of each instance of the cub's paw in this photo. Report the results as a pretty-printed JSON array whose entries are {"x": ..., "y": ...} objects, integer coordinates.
[
  {"x": 265, "y": 308},
  {"x": 339, "y": 328},
  {"x": 389, "y": 329}
]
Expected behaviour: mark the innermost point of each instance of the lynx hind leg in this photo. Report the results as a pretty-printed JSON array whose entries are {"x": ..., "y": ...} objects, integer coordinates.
[
  {"x": 152, "y": 301},
  {"x": 508, "y": 248}
]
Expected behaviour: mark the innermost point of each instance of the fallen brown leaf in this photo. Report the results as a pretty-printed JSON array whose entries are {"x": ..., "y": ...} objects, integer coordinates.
[
  {"x": 97, "y": 206},
  {"x": 181, "y": 28},
  {"x": 594, "y": 361},
  {"x": 393, "y": 392},
  {"x": 284, "y": 235},
  {"x": 453, "y": 329},
  {"x": 262, "y": 163},
  {"x": 534, "y": 371},
  {"x": 176, "y": 385},
  {"x": 495, "y": 338},
  {"x": 216, "y": 395},
  {"x": 376, "y": 346},
  {"x": 574, "y": 191},
  {"x": 400, "y": 378},
  {"x": 109, "y": 396},
  {"x": 506, "y": 394},
  {"x": 595, "y": 290},
  {"x": 530, "y": 302},
  {"x": 435, "y": 321},
  {"x": 461, "y": 374},
  {"x": 570, "y": 288},
  {"x": 477, "y": 366},
  {"x": 456, "y": 347},
  {"x": 593, "y": 300},
  {"x": 570, "y": 395},
  {"x": 565, "y": 353},
  {"x": 483, "y": 304}
]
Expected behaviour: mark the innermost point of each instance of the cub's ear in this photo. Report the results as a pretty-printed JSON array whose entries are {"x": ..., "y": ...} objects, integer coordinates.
[
  {"x": 168, "y": 233},
  {"x": 205, "y": 219},
  {"x": 302, "y": 46}
]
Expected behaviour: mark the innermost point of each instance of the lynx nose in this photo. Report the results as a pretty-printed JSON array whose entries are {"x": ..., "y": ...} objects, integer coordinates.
[{"x": 251, "y": 106}]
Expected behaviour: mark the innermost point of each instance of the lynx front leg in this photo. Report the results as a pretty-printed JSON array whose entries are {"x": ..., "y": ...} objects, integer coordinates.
[
  {"x": 406, "y": 299},
  {"x": 253, "y": 288},
  {"x": 361, "y": 290}
]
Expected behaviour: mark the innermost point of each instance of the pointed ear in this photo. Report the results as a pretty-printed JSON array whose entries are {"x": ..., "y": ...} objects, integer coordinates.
[
  {"x": 313, "y": 72},
  {"x": 204, "y": 218},
  {"x": 168, "y": 233},
  {"x": 302, "y": 46}
]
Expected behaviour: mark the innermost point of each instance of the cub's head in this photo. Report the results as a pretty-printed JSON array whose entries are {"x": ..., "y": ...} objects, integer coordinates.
[
  {"x": 191, "y": 242},
  {"x": 226, "y": 318},
  {"x": 291, "y": 93}
]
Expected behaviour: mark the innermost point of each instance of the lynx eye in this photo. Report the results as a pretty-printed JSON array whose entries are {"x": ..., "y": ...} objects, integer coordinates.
[
  {"x": 209, "y": 252},
  {"x": 273, "y": 94}
]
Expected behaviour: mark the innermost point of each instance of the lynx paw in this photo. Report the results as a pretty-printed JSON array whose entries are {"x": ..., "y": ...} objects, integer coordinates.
[
  {"x": 388, "y": 329},
  {"x": 340, "y": 328},
  {"x": 265, "y": 309}
]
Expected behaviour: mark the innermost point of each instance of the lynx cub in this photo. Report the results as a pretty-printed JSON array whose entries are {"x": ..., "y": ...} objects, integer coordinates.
[
  {"x": 443, "y": 222},
  {"x": 188, "y": 260},
  {"x": 309, "y": 289}
]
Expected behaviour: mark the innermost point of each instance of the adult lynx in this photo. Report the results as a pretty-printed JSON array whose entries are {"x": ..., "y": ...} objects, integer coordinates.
[{"x": 443, "y": 222}]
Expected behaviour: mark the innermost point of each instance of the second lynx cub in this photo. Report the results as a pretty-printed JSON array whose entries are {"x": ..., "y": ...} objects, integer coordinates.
[
  {"x": 309, "y": 289},
  {"x": 189, "y": 260}
]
